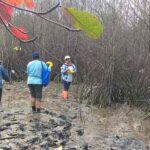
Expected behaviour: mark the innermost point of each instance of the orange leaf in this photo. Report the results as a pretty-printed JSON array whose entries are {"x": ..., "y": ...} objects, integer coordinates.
[
  {"x": 29, "y": 3},
  {"x": 15, "y": 2}
]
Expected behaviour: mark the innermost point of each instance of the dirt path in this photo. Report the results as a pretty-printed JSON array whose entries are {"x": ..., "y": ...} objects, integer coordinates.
[{"x": 91, "y": 128}]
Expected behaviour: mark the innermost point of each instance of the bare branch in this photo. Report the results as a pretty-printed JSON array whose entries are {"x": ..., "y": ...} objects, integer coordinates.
[
  {"x": 44, "y": 13},
  {"x": 33, "y": 12},
  {"x": 58, "y": 24},
  {"x": 39, "y": 15},
  {"x": 24, "y": 41},
  {"x": 139, "y": 17},
  {"x": 48, "y": 52}
]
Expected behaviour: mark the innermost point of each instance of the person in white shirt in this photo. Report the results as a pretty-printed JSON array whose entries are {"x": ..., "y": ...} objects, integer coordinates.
[{"x": 67, "y": 71}]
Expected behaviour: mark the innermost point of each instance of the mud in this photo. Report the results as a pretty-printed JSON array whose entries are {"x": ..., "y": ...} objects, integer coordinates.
[{"x": 68, "y": 125}]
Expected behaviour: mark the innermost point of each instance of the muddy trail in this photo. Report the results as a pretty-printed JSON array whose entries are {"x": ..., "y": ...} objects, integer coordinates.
[{"x": 68, "y": 126}]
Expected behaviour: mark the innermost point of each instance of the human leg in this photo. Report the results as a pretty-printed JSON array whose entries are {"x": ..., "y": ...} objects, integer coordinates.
[
  {"x": 0, "y": 94},
  {"x": 33, "y": 97},
  {"x": 38, "y": 105},
  {"x": 33, "y": 104},
  {"x": 66, "y": 86},
  {"x": 38, "y": 90}
]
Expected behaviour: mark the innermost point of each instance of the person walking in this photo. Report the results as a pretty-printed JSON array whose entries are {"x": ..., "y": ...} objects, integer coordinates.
[
  {"x": 68, "y": 69},
  {"x": 3, "y": 76},
  {"x": 34, "y": 81}
]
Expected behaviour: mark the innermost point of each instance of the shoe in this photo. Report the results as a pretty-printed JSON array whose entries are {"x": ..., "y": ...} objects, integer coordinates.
[
  {"x": 38, "y": 110},
  {"x": 33, "y": 109}
]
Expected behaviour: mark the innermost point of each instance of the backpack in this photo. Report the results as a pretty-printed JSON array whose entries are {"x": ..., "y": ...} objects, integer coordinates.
[{"x": 45, "y": 75}]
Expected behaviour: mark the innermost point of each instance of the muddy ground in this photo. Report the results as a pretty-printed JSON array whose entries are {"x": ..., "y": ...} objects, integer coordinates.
[{"x": 59, "y": 126}]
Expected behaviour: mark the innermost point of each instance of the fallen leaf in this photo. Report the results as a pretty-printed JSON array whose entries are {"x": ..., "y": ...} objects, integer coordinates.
[{"x": 59, "y": 148}]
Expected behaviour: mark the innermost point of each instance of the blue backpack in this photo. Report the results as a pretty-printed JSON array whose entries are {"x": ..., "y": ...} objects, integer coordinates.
[{"x": 45, "y": 75}]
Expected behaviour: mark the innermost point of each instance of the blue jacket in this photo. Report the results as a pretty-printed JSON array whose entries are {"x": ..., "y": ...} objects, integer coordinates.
[
  {"x": 3, "y": 75},
  {"x": 34, "y": 71}
]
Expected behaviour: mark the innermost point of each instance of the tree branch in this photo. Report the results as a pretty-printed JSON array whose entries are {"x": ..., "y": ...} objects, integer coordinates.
[
  {"x": 7, "y": 28},
  {"x": 39, "y": 15},
  {"x": 58, "y": 24},
  {"x": 49, "y": 53},
  {"x": 139, "y": 17},
  {"x": 30, "y": 11}
]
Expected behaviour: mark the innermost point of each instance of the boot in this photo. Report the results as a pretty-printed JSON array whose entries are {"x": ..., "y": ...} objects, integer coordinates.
[
  {"x": 33, "y": 109},
  {"x": 38, "y": 110},
  {"x": 65, "y": 95},
  {"x": 33, "y": 105},
  {"x": 38, "y": 106}
]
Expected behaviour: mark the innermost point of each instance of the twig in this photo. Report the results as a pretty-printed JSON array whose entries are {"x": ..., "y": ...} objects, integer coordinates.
[
  {"x": 39, "y": 15},
  {"x": 33, "y": 12},
  {"x": 47, "y": 52},
  {"x": 6, "y": 138},
  {"x": 24, "y": 41},
  {"x": 60, "y": 25},
  {"x": 43, "y": 13}
]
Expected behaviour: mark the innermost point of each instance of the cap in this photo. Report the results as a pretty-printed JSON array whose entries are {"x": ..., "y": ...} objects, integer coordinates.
[
  {"x": 35, "y": 55},
  {"x": 67, "y": 57}
]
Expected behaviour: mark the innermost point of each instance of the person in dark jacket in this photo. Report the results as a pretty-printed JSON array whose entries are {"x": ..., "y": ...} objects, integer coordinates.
[{"x": 3, "y": 76}]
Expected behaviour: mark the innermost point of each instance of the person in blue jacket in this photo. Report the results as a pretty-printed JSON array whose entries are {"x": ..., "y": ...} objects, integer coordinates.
[
  {"x": 68, "y": 69},
  {"x": 3, "y": 76},
  {"x": 34, "y": 81}
]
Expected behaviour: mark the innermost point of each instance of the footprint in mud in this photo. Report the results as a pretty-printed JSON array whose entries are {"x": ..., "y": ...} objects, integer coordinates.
[{"x": 34, "y": 131}]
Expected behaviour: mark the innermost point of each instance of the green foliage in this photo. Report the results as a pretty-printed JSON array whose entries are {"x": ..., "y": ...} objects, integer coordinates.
[{"x": 85, "y": 21}]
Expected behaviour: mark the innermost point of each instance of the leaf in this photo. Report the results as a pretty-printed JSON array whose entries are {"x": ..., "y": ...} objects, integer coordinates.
[
  {"x": 15, "y": 2},
  {"x": 7, "y": 141},
  {"x": 17, "y": 48},
  {"x": 5, "y": 12},
  {"x": 27, "y": 3},
  {"x": 85, "y": 21},
  {"x": 19, "y": 32},
  {"x": 59, "y": 148}
]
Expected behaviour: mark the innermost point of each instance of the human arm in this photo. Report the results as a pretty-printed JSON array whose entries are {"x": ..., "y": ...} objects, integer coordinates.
[
  {"x": 72, "y": 69},
  {"x": 64, "y": 69}
]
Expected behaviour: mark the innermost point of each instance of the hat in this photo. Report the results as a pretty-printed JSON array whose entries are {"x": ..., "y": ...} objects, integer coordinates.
[
  {"x": 35, "y": 55},
  {"x": 67, "y": 57}
]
